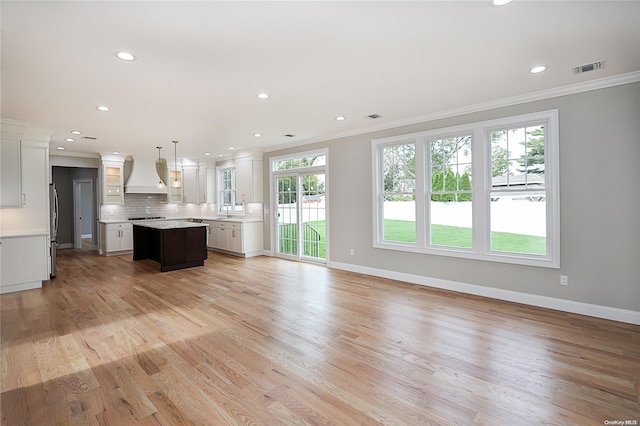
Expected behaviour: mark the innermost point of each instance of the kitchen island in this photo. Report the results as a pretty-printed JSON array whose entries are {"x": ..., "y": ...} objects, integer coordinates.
[{"x": 173, "y": 244}]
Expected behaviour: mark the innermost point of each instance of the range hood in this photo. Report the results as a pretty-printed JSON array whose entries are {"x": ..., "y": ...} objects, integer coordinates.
[{"x": 144, "y": 177}]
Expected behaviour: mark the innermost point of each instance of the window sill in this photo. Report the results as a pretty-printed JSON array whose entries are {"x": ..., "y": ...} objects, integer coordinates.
[{"x": 511, "y": 258}]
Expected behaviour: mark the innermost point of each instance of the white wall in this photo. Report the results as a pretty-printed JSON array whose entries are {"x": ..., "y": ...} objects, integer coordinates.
[{"x": 600, "y": 241}]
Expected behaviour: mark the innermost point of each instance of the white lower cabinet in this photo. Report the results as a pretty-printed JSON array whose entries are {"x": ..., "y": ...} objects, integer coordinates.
[
  {"x": 25, "y": 262},
  {"x": 116, "y": 238},
  {"x": 243, "y": 239}
]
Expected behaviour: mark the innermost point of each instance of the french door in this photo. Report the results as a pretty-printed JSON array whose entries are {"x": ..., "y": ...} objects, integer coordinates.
[{"x": 301, "y": 230}]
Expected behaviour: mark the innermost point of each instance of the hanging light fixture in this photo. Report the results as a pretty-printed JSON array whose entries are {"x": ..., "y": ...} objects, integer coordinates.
[
  {"x": 176, "y": 183},
  {"x": 160, "y": 184}
]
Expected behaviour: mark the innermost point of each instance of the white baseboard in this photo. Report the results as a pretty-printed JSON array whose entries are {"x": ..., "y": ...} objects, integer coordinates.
[
  {"x": 65, "y": 246},
  {"x": 598, "y": 311}
]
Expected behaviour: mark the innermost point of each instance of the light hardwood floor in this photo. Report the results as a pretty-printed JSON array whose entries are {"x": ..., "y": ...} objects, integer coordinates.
[{"x": 267, "y": 341}]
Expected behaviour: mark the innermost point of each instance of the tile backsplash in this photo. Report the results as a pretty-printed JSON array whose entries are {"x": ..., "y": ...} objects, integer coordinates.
[{"x": 151, "y": 205}]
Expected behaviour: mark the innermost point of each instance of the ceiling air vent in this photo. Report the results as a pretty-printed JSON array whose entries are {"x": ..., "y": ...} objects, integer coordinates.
[
  {"x": 289, "y": 135},
  {"x": 91, "y": 138},
  {"x": 374, "y": 116},
  {"x": 588, "y": 67}
]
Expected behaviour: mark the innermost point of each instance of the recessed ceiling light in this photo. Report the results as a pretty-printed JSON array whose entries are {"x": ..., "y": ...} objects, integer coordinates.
[
  {"x": 220, "y": 155},
  {"x": 207, "y": 153},
  {"x": 61, "y": 148},
  {"x": 231, "y": 147},
  {"x": 500, "y": 2},
  {"x": 115, "y": 153},
  {"x": 102, "y": 108},
  {"x": 257, "y": 135},
  {"x": 76, "y": 132},
  {"x": 538, "y": 69},
  {"x": 125, "y": 56},
  {"x": 69, "y": 140},
  {"x": 339, "y": 118},
  {"x": 263, "y": 96}
]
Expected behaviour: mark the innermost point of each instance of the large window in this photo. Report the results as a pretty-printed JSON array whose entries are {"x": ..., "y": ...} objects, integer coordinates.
[{"x": 485, "y": 191}]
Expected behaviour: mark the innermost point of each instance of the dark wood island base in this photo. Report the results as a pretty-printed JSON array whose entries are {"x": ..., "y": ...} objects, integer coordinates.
[{"x": 175, "y": 245}]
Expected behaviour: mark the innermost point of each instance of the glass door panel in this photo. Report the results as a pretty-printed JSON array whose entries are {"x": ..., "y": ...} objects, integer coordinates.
[
  {"x": 314, "y": 230},
  {"x": 301, "y": 230},
  {"x": 287, "y": 216}
]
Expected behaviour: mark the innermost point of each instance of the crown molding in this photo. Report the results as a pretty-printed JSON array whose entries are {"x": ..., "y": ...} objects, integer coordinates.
[{"x": 587, "y": 86}]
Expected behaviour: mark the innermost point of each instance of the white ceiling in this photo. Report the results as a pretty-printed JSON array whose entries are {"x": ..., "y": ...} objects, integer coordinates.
[{"x": 200, "y": 65}]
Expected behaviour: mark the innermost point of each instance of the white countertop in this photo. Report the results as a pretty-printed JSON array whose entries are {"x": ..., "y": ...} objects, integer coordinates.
[
  {"x": 27, "y": 233},
  {"x": 230, "y": 219},
  {"x": 186, "y": 219},
  {"x": 168, "y": 224}
]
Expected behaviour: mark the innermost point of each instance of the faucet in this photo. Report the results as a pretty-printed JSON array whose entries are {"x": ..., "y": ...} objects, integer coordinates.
[{"x": 228, "y": 214}]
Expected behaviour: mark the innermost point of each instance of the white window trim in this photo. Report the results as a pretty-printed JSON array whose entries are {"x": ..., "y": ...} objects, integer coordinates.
[{"x": 481, "y": 157}]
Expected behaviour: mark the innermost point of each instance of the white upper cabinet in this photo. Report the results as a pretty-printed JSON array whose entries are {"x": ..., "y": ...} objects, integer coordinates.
[
  {"x": 210, "y": 178},
  {"x": 10, "y": 173},
  {"x": 27, "y": 209},
  {"x": 190, "y": 184},
  {"x": 11, "y": 164},
  {"x": 195, "y": 177},
  {"x": 249, "y": 178}
]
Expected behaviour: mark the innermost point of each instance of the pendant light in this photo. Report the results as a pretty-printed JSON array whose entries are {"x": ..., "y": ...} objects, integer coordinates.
[
  {"x": 160, "y": 184},
  {"x": 176, "y": 183}
]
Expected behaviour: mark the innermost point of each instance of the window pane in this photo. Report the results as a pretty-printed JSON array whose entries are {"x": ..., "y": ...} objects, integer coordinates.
[
  {"x": 451, "y": 223},
  {"x": 518, "y": 216},
  {"x": 313, "y": 216},
  {"x": 226, "y": 198},
  {"x": 399, "y": 169},
  {"x": 451, "y": 192},
  {"x": 400, "y": 221},
  {"x": 517, "y": 158},
  {"x": 518, "y": 223},
  {"x": 399, "y": 185},
  {"x": 287, "y": 216},
  {"x": 300, "y": 162},
  {"x": 226, "y": 180}
]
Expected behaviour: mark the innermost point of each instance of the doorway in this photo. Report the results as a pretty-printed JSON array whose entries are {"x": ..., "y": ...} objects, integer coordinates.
[
  {"x": 301, "y": 222},
  {"x": 83, "y": 214},
  {"x": 299, "y": 196}
]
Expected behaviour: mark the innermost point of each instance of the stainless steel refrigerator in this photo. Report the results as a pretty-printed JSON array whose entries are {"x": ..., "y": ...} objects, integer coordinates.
[{"x": 53, "y": 203}]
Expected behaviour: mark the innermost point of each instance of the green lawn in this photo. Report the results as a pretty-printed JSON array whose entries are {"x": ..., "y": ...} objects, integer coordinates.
[
  {"x": 315, "y": 244},
  {"x": 404, "y": 231}
]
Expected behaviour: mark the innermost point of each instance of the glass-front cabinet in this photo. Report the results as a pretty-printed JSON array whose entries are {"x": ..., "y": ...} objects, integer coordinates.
[{"x": 113, "y": 180}]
